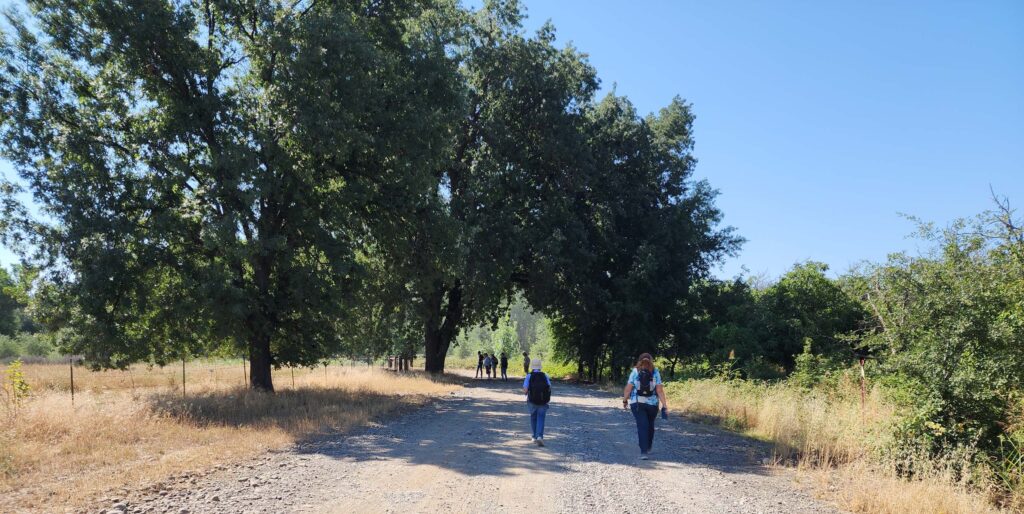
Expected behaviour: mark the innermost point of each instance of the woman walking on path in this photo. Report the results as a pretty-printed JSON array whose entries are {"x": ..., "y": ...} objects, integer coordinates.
[
  {"x": 504, "y": 367},
  {"x": 479, "y": 365},
  {"x": 487, "y": 365},
  {"x": 526, "y": 363},
  {"x": 642, "y": 393},
  {"x": 537, "y": 387}
]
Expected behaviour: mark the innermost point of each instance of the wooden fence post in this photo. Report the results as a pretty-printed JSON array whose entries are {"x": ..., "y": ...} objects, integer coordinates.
[
  {"x": 71, "y": 365},
  {"x": 182, "y": 376}
]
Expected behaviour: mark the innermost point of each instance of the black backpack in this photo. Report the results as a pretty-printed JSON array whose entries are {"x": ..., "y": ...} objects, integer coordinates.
[
  {"x": 646, "y": 379},
  {"x": 539, "y": 392}
]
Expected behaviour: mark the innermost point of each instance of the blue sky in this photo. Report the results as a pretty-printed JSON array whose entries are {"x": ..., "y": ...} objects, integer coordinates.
[{"x": 820, "y": 122}]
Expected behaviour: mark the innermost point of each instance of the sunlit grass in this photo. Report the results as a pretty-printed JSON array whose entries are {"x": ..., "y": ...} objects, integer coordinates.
[{"x": 828, "y": 435}]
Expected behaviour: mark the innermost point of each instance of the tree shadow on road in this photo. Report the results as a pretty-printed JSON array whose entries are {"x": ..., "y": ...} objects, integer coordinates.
[{"x": 488, "y": 434}]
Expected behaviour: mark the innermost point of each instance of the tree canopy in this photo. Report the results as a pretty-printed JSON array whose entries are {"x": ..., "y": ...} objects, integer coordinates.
[
  {"x": 294, "y": 181},
  {"x": 211, "y": 167}
]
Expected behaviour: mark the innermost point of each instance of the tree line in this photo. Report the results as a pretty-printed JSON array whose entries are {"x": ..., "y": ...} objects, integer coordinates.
[{"x": 295, "y": 181}]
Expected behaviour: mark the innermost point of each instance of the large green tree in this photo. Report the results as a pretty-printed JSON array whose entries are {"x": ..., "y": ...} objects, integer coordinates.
[
  {"x": 211, "y": 166},
  {"x": 806, "y": 305},
  {"x": 637, "y": 234},
  {"x": 511, "y": 157}
]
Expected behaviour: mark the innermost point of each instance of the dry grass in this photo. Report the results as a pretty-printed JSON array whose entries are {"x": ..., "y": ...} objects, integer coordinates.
[
  {"x": 860, "y": 487},
  {"x": 819, "y": 427},
  {"x": 54, "y": 456},
  {"x": 832, "y": 439}
]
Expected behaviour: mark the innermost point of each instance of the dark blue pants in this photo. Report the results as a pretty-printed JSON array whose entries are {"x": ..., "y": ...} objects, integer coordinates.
[{"x": 645, "y": 415}]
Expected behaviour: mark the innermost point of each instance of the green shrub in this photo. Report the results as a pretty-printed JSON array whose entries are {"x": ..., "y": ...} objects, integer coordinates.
[
  {"x": 10, "y": 347},
  {"x": 1008, "y": 467},
  {"x": 809, "y": 369},
  {"x": 37, "y": 345},
  {"x": 25, "y": 345}
]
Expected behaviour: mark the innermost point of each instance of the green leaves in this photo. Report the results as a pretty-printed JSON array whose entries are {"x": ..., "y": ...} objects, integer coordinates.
[
  {"x": 947, "y": 327},
  {"x": 212, "y": 167}
]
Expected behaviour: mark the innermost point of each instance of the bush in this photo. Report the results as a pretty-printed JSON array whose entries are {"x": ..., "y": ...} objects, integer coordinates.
[
  {"x": 37, "y": 345},
  {"x": 809, "y": 369},
  {"x": 10, "y": 347},
  {"x": 25, "y": 345}
]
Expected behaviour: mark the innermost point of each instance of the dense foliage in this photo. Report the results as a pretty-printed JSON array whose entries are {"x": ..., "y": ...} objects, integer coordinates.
[
  {"x": 212, "y": 167},
  {"x": 292, "y": 181},
  {"x": 943, "y": 334},
  {"x": 950, "y": 327}
]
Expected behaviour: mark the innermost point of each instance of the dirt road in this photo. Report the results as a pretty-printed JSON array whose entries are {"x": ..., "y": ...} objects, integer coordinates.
[{"x": 471, "y": 452}]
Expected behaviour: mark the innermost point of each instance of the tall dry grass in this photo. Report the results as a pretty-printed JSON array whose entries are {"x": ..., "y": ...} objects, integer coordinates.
[
  {"x": 828, "y": 435},
  {"x": 53, "y": 455}
]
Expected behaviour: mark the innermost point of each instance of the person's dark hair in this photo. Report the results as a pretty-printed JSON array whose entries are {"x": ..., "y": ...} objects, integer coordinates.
[
  {"x": 645, "y": 362},
  {"x": 525, "y": 354}
]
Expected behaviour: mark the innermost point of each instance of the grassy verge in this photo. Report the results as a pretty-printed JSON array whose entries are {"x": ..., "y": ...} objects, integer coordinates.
[
  {"x": 138, "y": 430},
  {"x": 837, "y": 443},
  {"x": 553, "y": 368}
]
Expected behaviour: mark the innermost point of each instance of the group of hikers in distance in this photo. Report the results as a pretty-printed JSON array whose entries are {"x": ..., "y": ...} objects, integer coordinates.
[
  {"x": 487, "y": 362},
  {"x": 643, "y": 395}
]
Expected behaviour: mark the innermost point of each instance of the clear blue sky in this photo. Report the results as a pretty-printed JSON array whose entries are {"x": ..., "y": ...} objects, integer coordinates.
[{"x": 821, "y": 121}]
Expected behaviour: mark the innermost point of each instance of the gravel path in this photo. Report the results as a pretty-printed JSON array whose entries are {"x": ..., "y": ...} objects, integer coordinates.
[{"x": 471, "y": 452}]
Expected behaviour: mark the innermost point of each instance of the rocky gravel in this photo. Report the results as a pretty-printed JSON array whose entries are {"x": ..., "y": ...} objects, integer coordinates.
[{"x": 471, "y": 452}]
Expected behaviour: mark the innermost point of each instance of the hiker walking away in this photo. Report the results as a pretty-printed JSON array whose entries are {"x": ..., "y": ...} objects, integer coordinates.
[
  {"x": 526, "y": 363},
  {"x": 643, "y": 393},
  {"x": 479, "y": 365},
  {"x": 537, "y": 387},
  {"x": 488, "y": 362},
  {"x": 504, "y": 367}
]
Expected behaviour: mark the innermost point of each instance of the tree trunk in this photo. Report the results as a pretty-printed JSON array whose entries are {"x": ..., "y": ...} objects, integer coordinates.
[
  {"x": 434, "y": 353},
  {"x": 438, "y": 332},
  {"x": 260, "y": 362}
]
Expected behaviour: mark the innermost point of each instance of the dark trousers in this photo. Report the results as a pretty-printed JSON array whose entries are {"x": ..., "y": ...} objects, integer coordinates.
[
  {"x": 645, "y": 415},
  {"x": 504, "y": 372}
]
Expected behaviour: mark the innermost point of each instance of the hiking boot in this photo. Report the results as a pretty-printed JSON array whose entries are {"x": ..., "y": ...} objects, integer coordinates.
[
  {"x": 643, "y": 456},
  {"x": 539, "y": 441}
]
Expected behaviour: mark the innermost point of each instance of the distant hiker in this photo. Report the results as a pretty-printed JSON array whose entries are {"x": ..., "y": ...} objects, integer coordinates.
[
  {"x": 488, "y": 362},
  {"x": 479, "y": 365},
  {"x": 526, "y": 363},
  {"x": 504, "y": 366},
  {"x": 537, "y": 387},
  {"x": 642, "y": 393}
]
